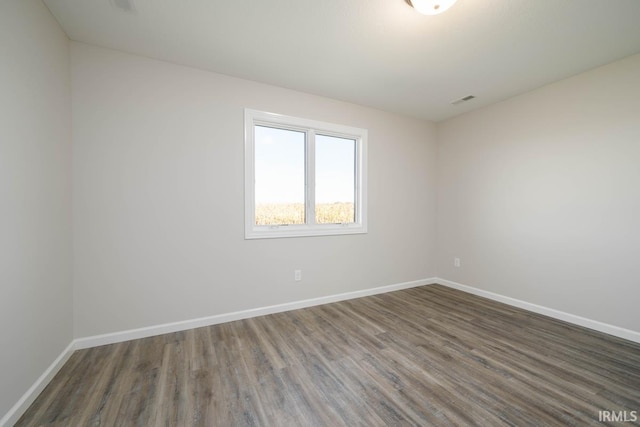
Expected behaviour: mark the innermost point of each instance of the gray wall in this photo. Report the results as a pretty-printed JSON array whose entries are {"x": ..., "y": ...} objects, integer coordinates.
[
  {"x": 35, "y": 196},
  {"x": 159, "y": 198},
  {"x": 540, "y": 196}
]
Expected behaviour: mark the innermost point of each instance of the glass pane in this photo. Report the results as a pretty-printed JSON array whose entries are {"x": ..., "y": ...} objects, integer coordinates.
[
  {"x": 280, "y": 176},
  {"x": 335, "y": 180}
]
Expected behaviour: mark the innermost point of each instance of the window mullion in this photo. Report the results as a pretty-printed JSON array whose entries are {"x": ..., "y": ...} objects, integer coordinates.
[{"x": 311, "y": 178}]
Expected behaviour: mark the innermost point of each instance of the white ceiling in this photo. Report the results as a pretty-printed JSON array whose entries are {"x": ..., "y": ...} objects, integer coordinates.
[{"x": 379, "y": 53}]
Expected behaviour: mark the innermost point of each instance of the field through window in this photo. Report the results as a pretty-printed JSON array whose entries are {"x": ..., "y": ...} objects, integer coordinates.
[{"x": 293, "y": 213}]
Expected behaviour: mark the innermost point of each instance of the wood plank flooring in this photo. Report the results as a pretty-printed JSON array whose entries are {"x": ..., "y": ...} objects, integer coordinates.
[{"x": 423, "y": 356}]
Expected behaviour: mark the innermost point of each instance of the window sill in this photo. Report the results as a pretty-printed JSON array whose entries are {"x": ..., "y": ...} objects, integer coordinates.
[{"x": 284, "y": 231}]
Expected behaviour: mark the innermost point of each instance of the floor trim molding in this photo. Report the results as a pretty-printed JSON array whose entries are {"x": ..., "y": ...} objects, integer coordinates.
[
  {"x": 93, "y": 341},
  {"x": 14, "y": 414},
  {"x": 556, "y": 314},
  {"x": 97, "y": 340}
]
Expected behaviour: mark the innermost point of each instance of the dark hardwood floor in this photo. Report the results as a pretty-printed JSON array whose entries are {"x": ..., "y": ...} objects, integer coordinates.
[{"x": 422, "y": 356}]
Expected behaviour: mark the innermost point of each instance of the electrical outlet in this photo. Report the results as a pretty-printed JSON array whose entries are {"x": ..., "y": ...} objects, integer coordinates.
[
  {"x": 297, "y": 275},
  {"x": 456, "y": 262}
]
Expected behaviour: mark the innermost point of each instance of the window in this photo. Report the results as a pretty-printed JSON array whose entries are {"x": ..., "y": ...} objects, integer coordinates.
[{"x": 303, "y": 177}]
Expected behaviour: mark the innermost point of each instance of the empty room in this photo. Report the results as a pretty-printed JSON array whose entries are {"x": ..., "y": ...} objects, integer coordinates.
[{"x": 319, "y": 213}]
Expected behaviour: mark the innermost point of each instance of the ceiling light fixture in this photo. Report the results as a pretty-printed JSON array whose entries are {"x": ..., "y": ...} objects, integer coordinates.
[{"x": 431, "y": 7}]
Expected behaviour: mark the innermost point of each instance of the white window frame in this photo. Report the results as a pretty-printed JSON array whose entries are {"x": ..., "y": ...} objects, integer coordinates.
[{"x": 310, "y": 128}]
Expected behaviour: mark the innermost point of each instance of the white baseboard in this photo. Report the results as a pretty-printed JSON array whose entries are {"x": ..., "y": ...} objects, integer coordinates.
[
  {"x": 556, "y": 314},
  {"x": 97, "y": 340},
  {"x": 93, "y": 341},
  {"x": 80, "y": 343},
  {"x": 14, "y": 414}
]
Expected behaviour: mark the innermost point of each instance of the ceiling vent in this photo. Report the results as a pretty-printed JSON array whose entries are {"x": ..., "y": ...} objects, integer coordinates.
[
  {"x": 124, "y": 5},
  {"x": 464, "y": 99}
]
